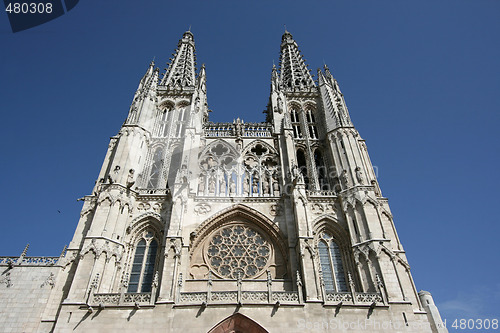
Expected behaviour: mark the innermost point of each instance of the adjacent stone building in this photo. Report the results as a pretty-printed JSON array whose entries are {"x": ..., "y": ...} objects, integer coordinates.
[{"x": 195, "y": 226}]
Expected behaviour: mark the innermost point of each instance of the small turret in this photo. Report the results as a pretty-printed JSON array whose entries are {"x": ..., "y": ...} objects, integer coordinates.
[
  {"x": 147, "y": 88},
  {"x": 433, "y": 315},
  {"x": 336, "y": 113}
]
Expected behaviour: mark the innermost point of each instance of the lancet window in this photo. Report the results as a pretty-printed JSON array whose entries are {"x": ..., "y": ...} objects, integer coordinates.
[
  {"x": 143, "y": 265},
  {"x": 260, "y": 171},
  {"x": 166, "y": 117},
  {"x": 322, "y": 171},
  {"x": 220, "y": 171},
  {"x": 311, "y": 124},
  {"x": 294, "y": 118},
  {"x": 156, "y": 168},
  {"x": 182, "y": 118},
  {"x": 332, "y": 267},
  {"x": 302, "y": 164}
]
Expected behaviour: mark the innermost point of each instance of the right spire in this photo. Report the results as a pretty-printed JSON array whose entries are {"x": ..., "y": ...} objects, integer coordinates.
[
  {"x": 295, "y": 75},
  {"x": 181, "y": 71}
]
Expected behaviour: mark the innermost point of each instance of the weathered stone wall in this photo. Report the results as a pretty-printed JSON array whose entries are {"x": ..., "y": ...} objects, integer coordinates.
[
  {"x": 24, "y": 294},
  {"x": 311, "y": 317}
]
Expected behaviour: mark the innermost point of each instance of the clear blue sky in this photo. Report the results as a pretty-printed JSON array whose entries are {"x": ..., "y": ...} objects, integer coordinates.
[{"x": 421, "y": 80}]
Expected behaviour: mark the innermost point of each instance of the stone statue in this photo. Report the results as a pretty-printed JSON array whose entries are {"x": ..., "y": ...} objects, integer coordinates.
[
  {"x": 345, "y": 178},
  {"x": 255, "y": 186},
  {"x": 376, "y": 188},
  {"x": 232, "y": 187},
  {"x": 201, "y": 184},
  {"x": 297, "y": 175},
  {"x": 223, "y": 185},
  {"x": 359, "y": 175},
  {"x": 238, "y": 127},
  {"x": 182, "y": 175},
  {"x": 265, "y": 186},
  {"x": 211, "y": 186},
  {"x": 246, "y": 185},
  {"x": 276, "y": 186},
  {"x": 130, "y": 178}
]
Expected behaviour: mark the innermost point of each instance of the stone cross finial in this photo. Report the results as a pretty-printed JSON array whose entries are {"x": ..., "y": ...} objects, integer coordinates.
[
  {"x": 299, "y": 279},
  {"x": 155, "y": 280},
  {"x": 321, "y": 281},
  {"x": 210, "y": 278},
  {"x": 95, "y": 282},
  {"x": 125, "y": 280},
  {"x": 179, "y": 282},
  {"x": 351, "y": 282}
]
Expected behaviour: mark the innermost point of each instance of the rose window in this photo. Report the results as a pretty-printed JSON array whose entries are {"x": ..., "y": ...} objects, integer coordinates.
[{"x": 238, "y": 251}]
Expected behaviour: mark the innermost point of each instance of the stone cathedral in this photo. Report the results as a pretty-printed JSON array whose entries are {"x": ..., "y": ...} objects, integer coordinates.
[{"x": 196, "y": 226}]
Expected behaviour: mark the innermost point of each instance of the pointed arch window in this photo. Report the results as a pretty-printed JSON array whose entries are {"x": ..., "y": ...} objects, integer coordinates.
[
  {"x": 182, "y": 118},
  {"x": 143, "y": 266},
  {"x": 332, "y": 267},
  {"x": 302, "y": 164},
  {"x": 294, "y": 117},
  {"x": 163, "y": 124},
  {"x": 175, "y": 165},
  {"x": 321, "y": 170},
  {"x": 166, "y": 117},
  {"x": 156, "y": 166},
  {"x": 311, "y": 124}
]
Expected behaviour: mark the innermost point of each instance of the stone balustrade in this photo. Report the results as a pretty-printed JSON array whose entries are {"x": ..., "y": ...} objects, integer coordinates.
[
  {"x": 29, "y": 261},
  {"x": 237, "y": 129},
  {"x": 118, "y": 299}
]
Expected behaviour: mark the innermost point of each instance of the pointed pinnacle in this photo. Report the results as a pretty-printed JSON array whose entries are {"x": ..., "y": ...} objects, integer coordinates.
[{"x": 25, "y": 250}]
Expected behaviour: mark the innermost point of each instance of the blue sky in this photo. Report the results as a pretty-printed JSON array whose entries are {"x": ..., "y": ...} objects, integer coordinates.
[{"x": 421, "y": 82}]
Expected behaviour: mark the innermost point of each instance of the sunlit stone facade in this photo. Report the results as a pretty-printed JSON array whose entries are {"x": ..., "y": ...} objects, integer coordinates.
[{"x": 196, "y": 226}]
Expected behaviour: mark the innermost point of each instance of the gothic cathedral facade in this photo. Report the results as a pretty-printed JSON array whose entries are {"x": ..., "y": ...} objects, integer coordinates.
[{"x": 195, "y": 226}]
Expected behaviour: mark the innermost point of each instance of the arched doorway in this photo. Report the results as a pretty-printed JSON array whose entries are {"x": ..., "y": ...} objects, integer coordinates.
[{"x": 237, "y": 323}]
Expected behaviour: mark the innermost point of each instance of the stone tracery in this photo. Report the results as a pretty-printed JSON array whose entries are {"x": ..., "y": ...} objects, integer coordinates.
[
  {"x": 225, "y": 172},
  {"x": 238, "y": 251}
]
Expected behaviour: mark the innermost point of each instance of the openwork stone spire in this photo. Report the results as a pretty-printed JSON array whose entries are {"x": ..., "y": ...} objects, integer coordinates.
[
  {"x": 295, "y": 75},
  {"x": 181, "y": 70}
]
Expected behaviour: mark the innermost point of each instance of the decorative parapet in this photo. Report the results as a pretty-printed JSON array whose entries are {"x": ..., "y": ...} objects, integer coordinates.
[
  {"x": 285, "y": 297},
  {"x": 218, "y": 130},
  {"x": 116, "y": 299},
  {"x": 237, "y": 129},
  {"x": 257, "y": 130},
  {"x": 321, "y": 193},
  {"x": 347, "y": 298},
  {"x": 248, "y": 297},
  {"x": 152, "y": 191},
  {"x": 29, "y": 261},
  {"x": 369, "y": 298},
  {"x": 193, "y": 297}
]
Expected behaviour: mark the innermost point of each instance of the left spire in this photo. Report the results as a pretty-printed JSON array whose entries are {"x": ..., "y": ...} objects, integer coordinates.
[{"x": 181, "y": 70}]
